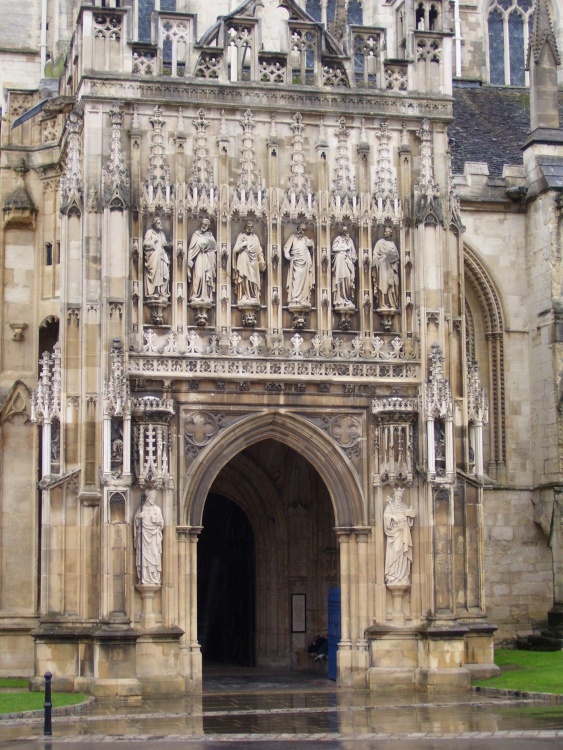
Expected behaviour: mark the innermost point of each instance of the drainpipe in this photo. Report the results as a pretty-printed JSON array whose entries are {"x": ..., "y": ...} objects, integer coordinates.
[
  {"x": 457, "y": 39},
  {"x": 43, "y": 42}
]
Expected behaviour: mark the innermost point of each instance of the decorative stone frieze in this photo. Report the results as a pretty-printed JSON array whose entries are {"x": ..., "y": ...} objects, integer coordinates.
[{"x": 151, "y": 440}]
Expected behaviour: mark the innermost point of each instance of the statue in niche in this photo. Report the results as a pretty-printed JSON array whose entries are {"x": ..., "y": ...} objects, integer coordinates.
[
  {"x": 116, "y": 445},
  {"x": 397, "y": 523},
  {"x": 202, "y": 265},
  {"x": 248, "y": 264},
  {"x": 385, "y": 272},
  {"x": 273, "y": 26},
  {"x": 147, "y": 540},
  {"x": 440, "y": 448},
  {"x": 157, "y": 262},
  {"x": 344, "y": 259},
  {"x": 298, "y": 251}
]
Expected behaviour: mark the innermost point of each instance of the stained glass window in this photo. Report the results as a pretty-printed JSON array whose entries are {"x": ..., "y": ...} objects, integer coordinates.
[
  {"x": 508, "y": 24},
  {"x": 355, "y": 13},
  {"x": 146, "y": 7},
  {"x": 496, "y": 47},
  {"x": 516, "y": 48},
  {"x": 314, "y": 9}
]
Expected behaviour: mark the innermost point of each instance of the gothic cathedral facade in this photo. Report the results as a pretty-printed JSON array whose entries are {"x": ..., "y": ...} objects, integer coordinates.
[{"x": 279, "y": 325}]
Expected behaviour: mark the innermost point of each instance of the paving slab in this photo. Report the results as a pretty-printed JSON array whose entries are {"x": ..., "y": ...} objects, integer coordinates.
[{"x": 281, "y": 712}]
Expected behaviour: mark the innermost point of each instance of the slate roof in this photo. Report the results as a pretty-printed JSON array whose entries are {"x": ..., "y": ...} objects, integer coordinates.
[{"x": 490, "y": 125}]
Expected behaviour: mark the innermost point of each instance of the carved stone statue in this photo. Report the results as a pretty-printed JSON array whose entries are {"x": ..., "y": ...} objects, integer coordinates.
[
  {"x": 385, "y": 271},
  {"x": 202, "y": 265},
  {"x": 397, "y": 523},
  {"x": 298, "y": 251},
  {"x": 248, "y": 264},
  {"x": 148, "y": 541},
  {"x": 343, "y": 271},
  {"x": 157, "y": 262}
]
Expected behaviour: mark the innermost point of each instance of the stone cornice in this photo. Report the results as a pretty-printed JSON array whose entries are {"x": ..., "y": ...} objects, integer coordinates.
[{"x": 292, "y": 99}]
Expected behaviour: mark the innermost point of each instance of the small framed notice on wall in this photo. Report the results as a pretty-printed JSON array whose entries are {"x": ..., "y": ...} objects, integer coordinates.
[{"x": 298, "y": 613}]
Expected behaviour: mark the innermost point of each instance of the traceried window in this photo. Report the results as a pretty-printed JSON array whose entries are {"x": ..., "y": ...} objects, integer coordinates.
[
  {"x": 508, "y": 24},
  {"x": 144, "y": 12}
]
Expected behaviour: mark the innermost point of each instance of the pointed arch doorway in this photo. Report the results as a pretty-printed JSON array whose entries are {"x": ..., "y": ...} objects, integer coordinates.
[{"x": 267, "y": 541}]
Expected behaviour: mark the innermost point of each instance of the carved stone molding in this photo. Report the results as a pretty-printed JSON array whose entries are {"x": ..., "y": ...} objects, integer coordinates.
[
  {"x": 183, "y": 368},
  {"x": 16, "y": 404},
  {"x": 249, "y": 343},
  {"x": 201, "y": 428},
  {"x": 346, "y": 430}
]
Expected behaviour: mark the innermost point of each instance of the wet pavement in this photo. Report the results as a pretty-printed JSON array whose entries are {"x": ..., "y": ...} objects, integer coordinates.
[{"x": 286, "y": 711}]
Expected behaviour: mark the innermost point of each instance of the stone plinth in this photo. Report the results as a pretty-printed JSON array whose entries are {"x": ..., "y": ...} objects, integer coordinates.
[
  {"x": 398, "y": 591},
  {"x": 442, "y": 657},
  {"x": 148, "y": 591},
  {"x": 157, "y": 662}
]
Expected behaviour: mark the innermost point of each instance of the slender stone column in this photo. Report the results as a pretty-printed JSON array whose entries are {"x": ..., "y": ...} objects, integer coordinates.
[
  {"x": 344, "y": 536},
  {"x": 478, "y": 448},
  {"x": 362, "y": 535},
  {"x": 449, "y": 435},
  {"x": 195, "y": 650},
  {"x": 106, "y": 442},
  {"x": 182, "y": 537},
  {"x": 345, "y": 668},
  {"x": 46, "y": 449},
  {"x": 430, "y": 446},
  {"x": 127, "y": 445}
]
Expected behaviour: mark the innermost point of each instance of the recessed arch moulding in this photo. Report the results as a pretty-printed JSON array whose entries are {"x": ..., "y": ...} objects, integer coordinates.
[
  {"x": 222, "y": 462},
  {"x": 347, "y": 495}
]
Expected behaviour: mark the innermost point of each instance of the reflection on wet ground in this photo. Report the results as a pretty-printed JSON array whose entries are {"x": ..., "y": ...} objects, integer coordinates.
[{"x": 298, "y": 704}]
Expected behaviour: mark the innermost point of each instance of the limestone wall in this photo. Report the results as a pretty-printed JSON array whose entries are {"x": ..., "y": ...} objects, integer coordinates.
[{"x": 518, "y": 568}]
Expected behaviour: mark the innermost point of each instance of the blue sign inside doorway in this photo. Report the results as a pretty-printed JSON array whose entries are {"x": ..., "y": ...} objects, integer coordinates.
[{"x": 334, "y": 629}]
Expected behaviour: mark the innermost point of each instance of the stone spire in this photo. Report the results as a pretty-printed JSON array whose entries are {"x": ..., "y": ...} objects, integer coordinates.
[
  {"x": 543, "y": 59},
  {"x": 249, "y": 196},
  {"x": 157, "y": 192},
  {"x": 115, "y": 181},
  {"x": 386, "y": 201}
]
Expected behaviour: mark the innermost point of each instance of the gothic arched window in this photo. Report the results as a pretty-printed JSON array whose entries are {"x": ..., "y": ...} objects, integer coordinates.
[
  {"x": 508, "y": 26},
  {"x": 313, "y": 8},
  {"x": 355, "y": 13}
]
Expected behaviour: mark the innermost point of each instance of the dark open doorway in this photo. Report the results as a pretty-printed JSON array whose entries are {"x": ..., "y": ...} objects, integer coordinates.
[{"x": 226, "y": 584}]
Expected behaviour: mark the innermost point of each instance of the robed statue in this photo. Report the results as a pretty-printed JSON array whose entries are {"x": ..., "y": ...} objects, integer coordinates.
[{"x": 147, "y": 541}]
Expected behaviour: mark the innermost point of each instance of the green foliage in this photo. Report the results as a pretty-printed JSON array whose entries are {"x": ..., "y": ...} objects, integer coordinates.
[
  {"x": 54, "y": 68},
  {"x": 13, "y": 682},
  {"x": 532, "y": 671},
  {"x": 16, "y": 702}
]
